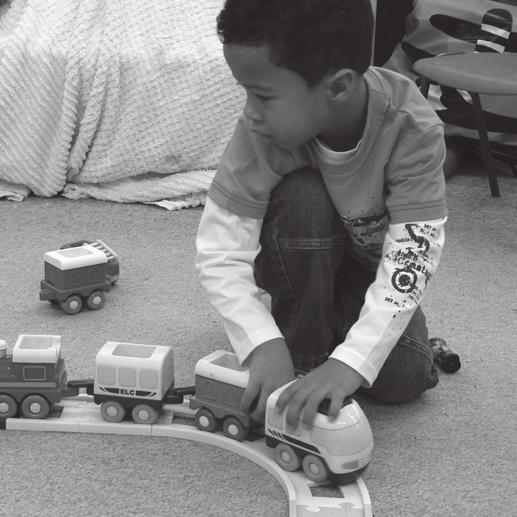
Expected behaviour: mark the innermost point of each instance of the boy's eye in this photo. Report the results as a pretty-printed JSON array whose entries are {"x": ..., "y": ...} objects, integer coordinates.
[
  {"x": 260, "y": 96},
  {"x": 263, "y": 98}
]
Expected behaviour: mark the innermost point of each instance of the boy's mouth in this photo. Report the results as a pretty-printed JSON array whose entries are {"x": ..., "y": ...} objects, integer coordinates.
[{"x": 265, "y": 136}]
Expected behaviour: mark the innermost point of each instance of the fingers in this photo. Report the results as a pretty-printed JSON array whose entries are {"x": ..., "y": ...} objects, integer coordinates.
[
  {"x": 260, "y": 411},
  {"x": 303, "y": 398},
  {"x": 254, "y": 401},
  {"x": 250, "y": 395},
  {"x": 295, "y": 406},
  {"x": 311, "y": 408},
  {"x": 286, "y": 395},
  {"x": 302, "y": 402},
  {"x": 336, "y": 403}
]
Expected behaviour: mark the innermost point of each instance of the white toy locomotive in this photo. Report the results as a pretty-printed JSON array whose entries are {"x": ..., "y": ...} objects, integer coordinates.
[{"x": 337, "y": 447}]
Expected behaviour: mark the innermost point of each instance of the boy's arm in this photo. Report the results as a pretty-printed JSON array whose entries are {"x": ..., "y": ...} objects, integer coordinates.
[
  {"x": 411, "y": 254},
  {"x": 227, "y": 245}
]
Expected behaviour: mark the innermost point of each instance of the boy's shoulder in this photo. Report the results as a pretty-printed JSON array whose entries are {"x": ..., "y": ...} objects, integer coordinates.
[{"x": 400, "y": 98}]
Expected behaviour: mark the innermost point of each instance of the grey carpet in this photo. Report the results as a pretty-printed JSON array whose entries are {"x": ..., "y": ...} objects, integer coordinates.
[{"x": 450, "y": 453}]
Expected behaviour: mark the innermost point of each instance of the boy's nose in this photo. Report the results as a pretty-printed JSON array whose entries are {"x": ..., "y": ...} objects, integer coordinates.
[{"x": 251, "y": 113}]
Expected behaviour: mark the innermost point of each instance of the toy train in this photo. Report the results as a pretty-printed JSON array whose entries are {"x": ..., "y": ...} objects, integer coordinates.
[
  {"x": 136, "y": 380},
  {"x": 329, "y": 448}
]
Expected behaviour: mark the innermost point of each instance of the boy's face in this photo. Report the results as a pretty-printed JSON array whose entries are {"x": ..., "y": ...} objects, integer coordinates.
[{"x": 280, "y": 105}]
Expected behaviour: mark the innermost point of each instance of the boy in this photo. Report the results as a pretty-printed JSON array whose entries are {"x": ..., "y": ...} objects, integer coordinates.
[{"x": 330, "y": 197}]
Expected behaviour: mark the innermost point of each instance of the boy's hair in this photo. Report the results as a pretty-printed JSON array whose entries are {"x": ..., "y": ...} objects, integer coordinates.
[{"x": 309, "y": 37}]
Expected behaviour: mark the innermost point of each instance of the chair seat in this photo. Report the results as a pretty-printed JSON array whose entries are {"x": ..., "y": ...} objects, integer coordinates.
[{"x": 480, "y": 72}]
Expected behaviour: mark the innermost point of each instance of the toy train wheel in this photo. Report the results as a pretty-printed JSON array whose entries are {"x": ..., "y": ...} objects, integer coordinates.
[
  {"x": 144, "y": 414},
  {"x": 315, "y": 468},
  {"x": 72, "y": 305},
  {"x": 35, "y": 406},
  {"x": 8, "y": 406},
  {"x": 95, "y": 300},
  {"x": 287, "y": 458},
  {"x": 233, "y": 428},
  {"x": 205, "y": 420},
  {"x": 112, "y": 411}
]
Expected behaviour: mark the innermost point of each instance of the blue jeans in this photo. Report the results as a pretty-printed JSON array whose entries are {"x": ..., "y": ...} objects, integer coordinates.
[{"x": 317, "y": 287}]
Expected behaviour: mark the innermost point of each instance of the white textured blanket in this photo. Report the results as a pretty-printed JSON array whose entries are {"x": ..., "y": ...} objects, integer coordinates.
[{"x": 95, "y": 91}]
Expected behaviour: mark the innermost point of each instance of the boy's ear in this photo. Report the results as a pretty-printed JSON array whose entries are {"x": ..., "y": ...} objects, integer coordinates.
[{"x": 341, "y": 84}]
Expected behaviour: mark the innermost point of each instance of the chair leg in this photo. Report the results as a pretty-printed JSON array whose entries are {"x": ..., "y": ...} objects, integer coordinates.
[{"x": 485, "y": 146}]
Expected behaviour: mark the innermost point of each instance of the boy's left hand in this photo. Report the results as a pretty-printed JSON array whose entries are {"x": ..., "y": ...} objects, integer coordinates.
[{"x": 332, "y": 380}]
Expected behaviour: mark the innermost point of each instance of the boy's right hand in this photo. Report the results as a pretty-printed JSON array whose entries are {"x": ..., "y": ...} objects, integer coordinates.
[{"x": 270, "y": 367}]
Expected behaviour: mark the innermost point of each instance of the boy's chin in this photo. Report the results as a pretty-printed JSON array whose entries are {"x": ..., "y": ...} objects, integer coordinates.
[{"x": 288, "y": 145}]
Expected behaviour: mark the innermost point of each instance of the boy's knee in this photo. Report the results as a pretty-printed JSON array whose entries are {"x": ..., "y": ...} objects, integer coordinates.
[
  {"x": 300, "y": 204},
  {"x": 398, "y": 391},
  {"x": 407, "y": 373},
  {"x": 300, "y": 189}
]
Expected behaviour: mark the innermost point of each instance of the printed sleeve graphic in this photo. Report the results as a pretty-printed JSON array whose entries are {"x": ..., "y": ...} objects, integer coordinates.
[{"x": 412, "y": 257}]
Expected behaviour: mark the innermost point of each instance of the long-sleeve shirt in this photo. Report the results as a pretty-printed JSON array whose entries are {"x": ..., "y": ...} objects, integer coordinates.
[{"x": 389, "y": 192}]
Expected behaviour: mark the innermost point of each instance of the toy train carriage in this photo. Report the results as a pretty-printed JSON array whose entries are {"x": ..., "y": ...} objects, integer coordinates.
[
  {"x": 329, "y": 448},
  {"x": 74, "y": 276},
  {"x": 133, "y": 378},
  {"x": 33, "y": 377},
  {"x": 220, "y": 385},
  {"x": 113, "y": 263}
]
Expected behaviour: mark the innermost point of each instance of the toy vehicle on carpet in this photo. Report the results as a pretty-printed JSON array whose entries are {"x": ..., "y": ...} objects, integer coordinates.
[
  {"x": 136, "y": 381},
  {"x": 79, "y": 274},
  {"x": 329, "y": 448},
  {"x": 133, "y": 379},
  {"x": 220, "y": 385},
  {"x": 33, "y": 377}
]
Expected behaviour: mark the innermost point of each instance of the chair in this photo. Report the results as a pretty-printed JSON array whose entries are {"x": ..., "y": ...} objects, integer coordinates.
[{"x": 485, "y": 73}]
